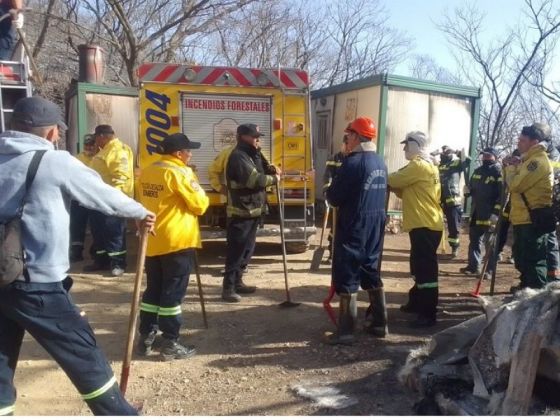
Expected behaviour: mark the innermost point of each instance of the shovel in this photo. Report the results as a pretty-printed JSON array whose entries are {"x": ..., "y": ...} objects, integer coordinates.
[
  {"x": 319, "y": 252},
  {"x": 288, "y": 303}
]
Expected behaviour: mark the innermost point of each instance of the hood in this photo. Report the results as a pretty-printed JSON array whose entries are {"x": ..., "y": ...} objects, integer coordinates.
[
  {"x": 16, "y": 143},
  {"x": 552, "y": 152}
]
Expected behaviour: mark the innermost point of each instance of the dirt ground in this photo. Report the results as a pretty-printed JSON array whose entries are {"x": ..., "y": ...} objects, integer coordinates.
[{"x": 254, "y": 353}]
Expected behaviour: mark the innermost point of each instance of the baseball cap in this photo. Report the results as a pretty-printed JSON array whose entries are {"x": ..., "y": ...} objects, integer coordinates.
[
  {"x": 36, "y": 111},
  {"x": 103, "y": 129},
  {"x": 89, "y": 139},
  {"x": 490, "y": 151},
  {"x": 176, "y": 142},
  {"x": 418, "y": 137},
  {"x": 249, "y": 130}
]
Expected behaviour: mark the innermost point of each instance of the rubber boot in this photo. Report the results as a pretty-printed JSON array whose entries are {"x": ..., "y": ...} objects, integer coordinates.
[
  {"x": 228, "y": 291},
  {"x": 376, "y": 315},
  {"x": 347, "y": 317},
  {"x": 171, "y": 349}
]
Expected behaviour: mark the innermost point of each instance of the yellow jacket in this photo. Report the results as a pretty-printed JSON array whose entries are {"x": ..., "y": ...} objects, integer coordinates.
[
  {"x": 217, "y": 168},
  {"x": 534, "y": 178},
  {"x": 115, "y": 165},
  {"x": 418, "y": 186},
  {"x": 84, "y": 158},
  {"x": 170, "y": 189}
]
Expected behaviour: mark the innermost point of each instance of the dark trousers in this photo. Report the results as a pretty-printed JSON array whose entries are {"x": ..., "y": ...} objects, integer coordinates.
[
  {"x": 241, "y": 239},
  {"x": 7, "y": 44},
  {"x": 529, "y": 253},
  {"x": 168, "y": 278},
  {"x": 357, "y": 250},
  {"x": 453, "y": 215},
  {"x": 552, "y": 257},
  {"x": 502, "y": 234},
  {"x": 478, "y": 235},
  {"x": 46, "y": 311},
  {"x": 78, "y": 223},
  {"x": 109, "y": 239},
  {"x": 424, "y": 268}
]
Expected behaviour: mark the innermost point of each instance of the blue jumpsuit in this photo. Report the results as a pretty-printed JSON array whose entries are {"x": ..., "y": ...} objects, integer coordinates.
[{"x": 358, "y": 191}]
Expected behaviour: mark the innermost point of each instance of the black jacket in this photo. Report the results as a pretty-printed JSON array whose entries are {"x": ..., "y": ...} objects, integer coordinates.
[
  {"x": 450, "y": 177},
  {"x": 485, "y": 189},
  {"x": 246, "y": 179}
]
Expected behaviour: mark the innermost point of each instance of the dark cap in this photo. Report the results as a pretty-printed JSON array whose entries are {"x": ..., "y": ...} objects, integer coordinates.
[
  {"x": 249, "y": 130},
  {"x": 176, "y": 142},
  {"x": 36, "y": 111},
  {"x": 89, "y": 139},
  {"x": 103, "y": 129},
  {"x": 490, "y": 151}
]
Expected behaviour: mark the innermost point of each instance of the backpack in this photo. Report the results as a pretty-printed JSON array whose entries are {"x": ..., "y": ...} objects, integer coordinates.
[{"x": 12, "y": 254}]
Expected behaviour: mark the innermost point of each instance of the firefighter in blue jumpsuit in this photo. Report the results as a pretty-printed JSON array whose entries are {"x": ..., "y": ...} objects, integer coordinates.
[
  {"x": 450, "y": 171},
  {"x": 358, "y": 191},
  {"x": 485, "y": 187}
]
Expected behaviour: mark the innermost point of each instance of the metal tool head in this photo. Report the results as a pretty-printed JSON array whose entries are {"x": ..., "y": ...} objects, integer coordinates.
[{"x": 288, "y": 304}]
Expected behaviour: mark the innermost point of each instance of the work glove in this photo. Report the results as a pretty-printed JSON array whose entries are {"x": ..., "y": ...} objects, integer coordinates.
[
  {"x": 493, "y": 222},
  {"x": 18, "y": 21}
]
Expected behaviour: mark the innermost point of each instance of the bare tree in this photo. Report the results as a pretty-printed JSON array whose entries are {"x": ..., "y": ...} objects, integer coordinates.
[
  {"x": 423, "y": 66},
  {"x": 502, "y": 66}
]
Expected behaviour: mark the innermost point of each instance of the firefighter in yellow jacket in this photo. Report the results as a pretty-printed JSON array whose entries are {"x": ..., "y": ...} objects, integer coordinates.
[
  {"x": 79, "y": 216},
  {"x": 419, "y": 187},
  {"x": 114, "y": 163},
  {"x": 170, "y": 189},
  {"x": 530, "y": 180}
]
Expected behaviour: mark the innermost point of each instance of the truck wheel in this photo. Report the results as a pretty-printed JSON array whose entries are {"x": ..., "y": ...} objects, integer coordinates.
[{"x": 296, "y": 247}]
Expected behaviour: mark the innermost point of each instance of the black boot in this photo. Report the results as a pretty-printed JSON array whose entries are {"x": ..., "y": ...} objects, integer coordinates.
[
  {"x": 145, "y": 343},
  {"x": 228, "y": 291},
  {"x": 243, "y": 289},
  {"x": 171, "y": 349},
  {"x": 376, "y": 315},
  {"x": 347, "y": 316}
]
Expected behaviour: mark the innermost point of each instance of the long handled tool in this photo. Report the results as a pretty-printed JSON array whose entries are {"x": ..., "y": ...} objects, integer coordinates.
[
  {"x": 327, "y": 302},
  {"x": 288, "y": 303},
  {"x": 125, "y": 372},
  {"x": 200, "y": 292},
  {"x": 490, "y": 245},
  {"x": 319, "y": 252}
]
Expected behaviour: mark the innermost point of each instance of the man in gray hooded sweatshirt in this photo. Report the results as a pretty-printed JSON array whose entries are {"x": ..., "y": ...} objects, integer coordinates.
[{"x": 39, "y": 302}]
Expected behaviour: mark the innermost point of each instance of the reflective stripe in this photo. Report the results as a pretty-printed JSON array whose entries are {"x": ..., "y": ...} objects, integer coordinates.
[
  {"x": 234, "y": 211},
  {"x": 483, "y": 222},
  {"x": 476, "y": 176},
  {"x": 253, "y": 178},
  {"x": 334, "y": 163},
  {"x": 7, "y": 410},
  {"x": 146, "y": 307},
  {"x": 175, "y": 310},
  {"x": 114, "y": 254},
  {"x": 427, "y": 285},
  {"x": 101, "y": 252},
  {"x": 453, "y": 240},
  {"x": 505, "y": 214},
  {"x": 100, "y": 391},
  {"x": 450, "y": 200},
  {"x": 498, "y": 207}
]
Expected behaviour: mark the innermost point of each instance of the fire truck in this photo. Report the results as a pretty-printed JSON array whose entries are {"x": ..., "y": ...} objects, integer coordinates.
[{"x": 207, "y": 104}]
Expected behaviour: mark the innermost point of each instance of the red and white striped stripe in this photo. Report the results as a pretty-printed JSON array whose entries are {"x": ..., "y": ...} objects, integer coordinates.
[{"x": 223, "y": 76}]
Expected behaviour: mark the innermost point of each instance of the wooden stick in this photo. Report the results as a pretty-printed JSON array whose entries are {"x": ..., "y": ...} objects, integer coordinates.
[
  {"x": 200, "y": 292},
  {"x": 125, "y": 372}
]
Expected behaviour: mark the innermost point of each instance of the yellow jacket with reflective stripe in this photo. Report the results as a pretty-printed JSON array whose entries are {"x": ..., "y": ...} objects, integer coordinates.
[
  {"x": 217, "y": 169},
  {"x": 419, "y": 187},
  {"x": 170, "y": 189},
  {"x": 84, "y": 158},
  {"x": 533, "y": 177},
  {"x": 115, "y": 164}
]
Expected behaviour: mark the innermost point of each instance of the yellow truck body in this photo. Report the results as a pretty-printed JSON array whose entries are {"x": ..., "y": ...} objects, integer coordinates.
[{"x": 208, "y": 103}]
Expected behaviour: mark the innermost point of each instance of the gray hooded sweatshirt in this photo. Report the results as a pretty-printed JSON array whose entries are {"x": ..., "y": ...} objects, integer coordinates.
[{"x": 46, "y": 219}]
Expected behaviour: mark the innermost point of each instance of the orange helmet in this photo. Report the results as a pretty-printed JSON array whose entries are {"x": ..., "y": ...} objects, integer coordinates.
[{"x": 364, "y": 126}]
